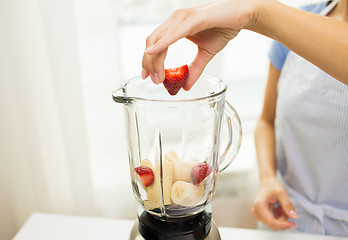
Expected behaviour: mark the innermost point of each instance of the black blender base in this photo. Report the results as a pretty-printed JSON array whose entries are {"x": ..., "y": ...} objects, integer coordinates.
[{"x": 149, "y": 228}]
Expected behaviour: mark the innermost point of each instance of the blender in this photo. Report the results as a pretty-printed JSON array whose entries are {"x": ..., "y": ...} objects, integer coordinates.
[{"x": 175, "y": 155}]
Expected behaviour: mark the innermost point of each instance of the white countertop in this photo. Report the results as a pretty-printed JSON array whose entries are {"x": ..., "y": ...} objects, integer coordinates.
[{"x": 61, "y": 227}]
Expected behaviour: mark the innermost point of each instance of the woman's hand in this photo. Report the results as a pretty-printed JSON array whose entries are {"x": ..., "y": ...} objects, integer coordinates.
[
  {"x": 273, "y": 206},
  {"x": 210, "y": 26}
]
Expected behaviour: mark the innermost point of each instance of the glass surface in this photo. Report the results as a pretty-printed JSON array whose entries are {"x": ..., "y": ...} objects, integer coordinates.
[
  {"x": 178, "y": 138},
  {"x": 145, "y": 90}
]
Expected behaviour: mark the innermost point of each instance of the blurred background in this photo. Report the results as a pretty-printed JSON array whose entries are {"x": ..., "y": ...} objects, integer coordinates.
[{"x": 62, "y": 141}]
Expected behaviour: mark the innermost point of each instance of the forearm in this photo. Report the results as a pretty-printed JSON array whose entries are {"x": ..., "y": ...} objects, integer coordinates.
[
  {"x": 265, "y": 150},
  {"x": 321, "y": 40}
]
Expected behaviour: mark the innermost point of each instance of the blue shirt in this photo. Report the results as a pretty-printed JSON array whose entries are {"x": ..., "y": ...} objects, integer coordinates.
[{"x": 311, "y": 133}]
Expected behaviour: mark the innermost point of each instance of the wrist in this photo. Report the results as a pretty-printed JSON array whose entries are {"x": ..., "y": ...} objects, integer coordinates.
[
  {"x": 262, "y": 10},
  {"x": 267, "y": 177}
]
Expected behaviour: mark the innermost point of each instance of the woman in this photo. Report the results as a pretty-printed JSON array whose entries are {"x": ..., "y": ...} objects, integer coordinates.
[{"x": 303, "y": 129}]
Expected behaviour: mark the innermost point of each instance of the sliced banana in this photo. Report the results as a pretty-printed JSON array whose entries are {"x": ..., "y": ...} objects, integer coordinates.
[
  {"x": 149, "y": 205},
  {"x": 171, "y": 156},
  {"x": 154, "y": 190},
  {"x": 182, "y": 171},
  {"x": 186, "y": 194},
  {"x": 168, "y": 176}
]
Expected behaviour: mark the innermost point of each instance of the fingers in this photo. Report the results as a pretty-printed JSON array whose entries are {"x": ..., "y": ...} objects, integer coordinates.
[
  {"x": 159, "y": 65},
  {"x": 287, "y": 206},
  {"x": 163, "y": 43},
  {"x": 177, "y": 26},
  {"x": 262, "y": 212},
  {"x": 174, "y": 28},
  {"x": 196, "y": 68},
  {"x": 273, "y": 206},
  {"x": 154, "y": 66}
]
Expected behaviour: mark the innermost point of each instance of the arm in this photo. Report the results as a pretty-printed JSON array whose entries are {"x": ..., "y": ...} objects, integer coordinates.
[
  {"x": 319, "y": 39},
  {"x": 270, "y": 190},
  {"x": 264, "y": 131}
]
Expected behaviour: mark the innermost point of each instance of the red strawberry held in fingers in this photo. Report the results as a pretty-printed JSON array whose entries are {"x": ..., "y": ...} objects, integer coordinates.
[
  {"x": 146, "y": 174},
  {"x": 277, "y": 210},
  {"x": 175, "y": 79},
  {"x": 199, "y": 172}
]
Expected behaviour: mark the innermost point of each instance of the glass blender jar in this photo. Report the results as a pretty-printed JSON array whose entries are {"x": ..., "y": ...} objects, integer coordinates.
[{"x": 175, "y": 155}]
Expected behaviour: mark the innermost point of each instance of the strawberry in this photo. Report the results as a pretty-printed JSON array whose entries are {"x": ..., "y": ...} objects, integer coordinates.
[
  {"x": 175, "y": 79},
  {"x": 146, "y": 174},
  {"x": 277, "y": 210},
  {"x": 199, "y": 172}
]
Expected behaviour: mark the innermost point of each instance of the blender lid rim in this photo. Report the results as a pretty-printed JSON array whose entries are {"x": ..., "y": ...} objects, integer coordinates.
[{"x": 127, "y": 99}]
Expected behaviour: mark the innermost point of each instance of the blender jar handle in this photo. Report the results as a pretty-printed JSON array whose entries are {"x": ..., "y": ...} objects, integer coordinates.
[{"x": 235, "y": 137}]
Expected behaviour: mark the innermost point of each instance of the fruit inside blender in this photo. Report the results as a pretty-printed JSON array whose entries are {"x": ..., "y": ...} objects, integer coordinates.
[{"x": 184, "y": 184}]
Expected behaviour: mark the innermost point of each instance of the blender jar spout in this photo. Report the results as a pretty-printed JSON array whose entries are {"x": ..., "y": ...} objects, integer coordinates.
[{"x": 119, "y": 96}]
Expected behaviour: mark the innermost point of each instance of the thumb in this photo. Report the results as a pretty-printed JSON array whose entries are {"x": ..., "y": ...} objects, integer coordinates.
[
  {"x": 287, "y": 206},
  {"x": 196, "y": 68}
]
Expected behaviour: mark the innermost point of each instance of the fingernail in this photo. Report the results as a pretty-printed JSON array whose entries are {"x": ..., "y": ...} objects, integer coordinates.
[
  {"x": 294, "y": 226},
  {"x": 293, "y": 214},
  {"x": 143, "y": 73}
]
